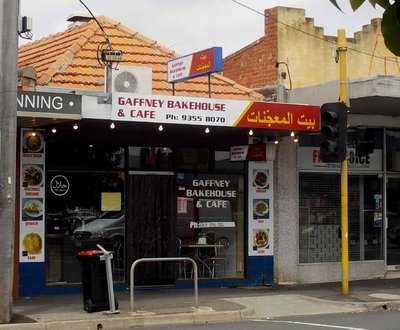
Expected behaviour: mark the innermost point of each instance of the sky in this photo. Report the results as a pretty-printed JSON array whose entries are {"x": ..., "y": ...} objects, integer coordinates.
[{"x": 187, "y": 26}]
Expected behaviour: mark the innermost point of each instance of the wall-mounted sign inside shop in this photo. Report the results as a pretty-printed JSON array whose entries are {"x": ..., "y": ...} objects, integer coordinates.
[
  {"x": 209, "y": 201},
  {"x": 214, "y": 112},
  {"x": 59, "y": 185},
  {"x": 49, "y": 105},
  {"x": 197, "y": 64},
  {"x": 254, "y": 152},
  {"x": 309, "y": 160}
]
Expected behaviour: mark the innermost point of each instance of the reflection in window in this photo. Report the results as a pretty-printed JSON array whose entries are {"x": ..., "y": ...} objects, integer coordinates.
[
  {"x": 151, "y": 158},
  {"x": 90, "y": 213}
]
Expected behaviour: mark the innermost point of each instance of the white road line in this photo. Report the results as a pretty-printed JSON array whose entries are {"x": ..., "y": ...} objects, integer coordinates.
[{"x": 312, "y": 324}]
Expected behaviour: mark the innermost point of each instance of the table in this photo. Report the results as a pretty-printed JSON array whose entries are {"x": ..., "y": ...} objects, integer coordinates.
[{"x": 197, "y": 257}]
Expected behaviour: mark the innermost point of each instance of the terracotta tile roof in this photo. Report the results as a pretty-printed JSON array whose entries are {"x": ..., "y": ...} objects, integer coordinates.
[{"x": 69, "y": 60}]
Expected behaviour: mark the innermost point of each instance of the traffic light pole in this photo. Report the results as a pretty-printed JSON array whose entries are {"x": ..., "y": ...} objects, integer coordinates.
[{"x": 343, "y": 97}]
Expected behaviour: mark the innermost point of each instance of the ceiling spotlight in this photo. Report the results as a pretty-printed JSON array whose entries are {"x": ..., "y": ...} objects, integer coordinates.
[
  {"x": 75, "y": 127},
  {"x": 54, "y": 130},
  {"x": 292, "y": 134},
  {"x": 112, "y": 125},
  {"x": 161, "y": 128},
  {"x": 90, "y": 145},
  {"x": 296, "y": 139},
  {"x": 251, "y": 132},
  {"x": 207, "y": 130},
  {"x": 276, "y": 141},
  {"x": 33, "y": 133}
]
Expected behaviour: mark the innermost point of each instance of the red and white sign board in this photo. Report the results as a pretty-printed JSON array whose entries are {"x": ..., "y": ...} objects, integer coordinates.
[
  {"x": 260, "y": 152},
  {"x": 214, "y": 112}
]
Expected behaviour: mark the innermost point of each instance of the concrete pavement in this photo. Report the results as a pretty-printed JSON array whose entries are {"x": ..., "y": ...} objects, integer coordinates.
[{"x": 173, "y": 306}]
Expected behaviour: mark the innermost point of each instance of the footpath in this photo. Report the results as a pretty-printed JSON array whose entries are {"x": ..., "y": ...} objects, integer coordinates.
[{"x": 167, "y": 306}]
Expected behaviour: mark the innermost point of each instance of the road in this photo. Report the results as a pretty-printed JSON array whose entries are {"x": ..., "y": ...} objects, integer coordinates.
[{"x": 361, "y": 321}]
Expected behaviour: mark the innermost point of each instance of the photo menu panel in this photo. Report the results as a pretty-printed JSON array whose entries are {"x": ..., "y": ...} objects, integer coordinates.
[{"x": 32, "y": 192}]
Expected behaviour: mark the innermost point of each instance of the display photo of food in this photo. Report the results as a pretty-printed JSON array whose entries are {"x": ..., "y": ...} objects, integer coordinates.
[
  {"x": 33, "y": 142},
  {"x": 33, "y": 175},
  {"x": 260, "y": 209},
  {"x": 32, "y": 243},
  {"x": 261, "y": 239},
  {"x": 32, "y": 208},
  {"x": 260, "y": 179}
]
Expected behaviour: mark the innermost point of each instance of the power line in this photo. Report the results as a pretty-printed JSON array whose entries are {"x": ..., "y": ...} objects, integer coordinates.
[{"x": 386, "y": 59}]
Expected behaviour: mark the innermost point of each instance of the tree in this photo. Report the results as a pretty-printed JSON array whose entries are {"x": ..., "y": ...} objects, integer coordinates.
[{"x": 390, "y": 20}]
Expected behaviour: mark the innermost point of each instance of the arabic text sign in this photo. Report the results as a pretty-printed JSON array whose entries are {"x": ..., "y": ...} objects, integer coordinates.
[
  {"x": 197, "y": 64},
  {"x": 214, "y": 112}
]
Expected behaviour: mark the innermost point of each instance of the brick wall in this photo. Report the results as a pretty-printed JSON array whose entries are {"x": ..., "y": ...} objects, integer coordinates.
[
  {"x": 254, "y": 65},
  {"x": 293, "y": 38}
]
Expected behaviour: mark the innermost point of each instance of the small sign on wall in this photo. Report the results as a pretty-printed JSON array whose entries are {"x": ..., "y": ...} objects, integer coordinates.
[{"x": 110, "y": 201}]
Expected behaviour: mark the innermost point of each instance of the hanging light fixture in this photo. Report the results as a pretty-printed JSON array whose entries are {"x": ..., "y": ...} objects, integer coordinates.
[
  {"x": 75, "y": 127},
  {"x": 207, "y": 130},
  {"x": 33, "y": 133},
  {"x": 276, "y": 141},
  {"x": 112, "y": 125},
  {"x": 54, "y": 130},
  {"x": 296, "y": 139},
  {"x": 251, "y": 133},
  {"x": 161, "y": 128},
  {"x": 292, "y": 134}
]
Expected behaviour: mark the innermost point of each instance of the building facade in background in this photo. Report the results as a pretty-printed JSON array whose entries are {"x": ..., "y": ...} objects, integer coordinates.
[{"x": 306, "y": 55}]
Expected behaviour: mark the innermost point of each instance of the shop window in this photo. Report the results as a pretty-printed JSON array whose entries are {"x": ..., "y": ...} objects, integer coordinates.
[
  {"x": 210, "y": 223},
  {"x": 72, "y": 155},
  {"x": 222, "y": 162},
  {"x": 393, "y": 150},
  {"x": 192, "y": 159},
  {"x": 320, "y": 232},
  {"x": 82, "y": 210},
  {"x": 151, "y": 158}
]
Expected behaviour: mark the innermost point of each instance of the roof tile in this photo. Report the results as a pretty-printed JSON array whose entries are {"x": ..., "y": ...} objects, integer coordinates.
[{"x": 69, "y": 60}]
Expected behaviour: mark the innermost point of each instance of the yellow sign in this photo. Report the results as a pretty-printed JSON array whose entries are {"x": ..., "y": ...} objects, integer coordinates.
[{"x": 110, "y": 201}]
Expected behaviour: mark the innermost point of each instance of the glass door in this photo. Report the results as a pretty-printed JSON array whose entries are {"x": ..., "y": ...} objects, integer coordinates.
[{"x": 393, "y": 221}]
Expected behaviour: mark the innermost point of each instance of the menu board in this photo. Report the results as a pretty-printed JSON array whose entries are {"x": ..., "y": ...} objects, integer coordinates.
[
  {"x": 261, "y": 208},
  {"x": 32, "y": 192}
]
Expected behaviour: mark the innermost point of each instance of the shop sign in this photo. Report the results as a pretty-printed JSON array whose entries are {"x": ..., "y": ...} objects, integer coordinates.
[
  {"x": 42, "y": 104},
  {"x": 32, "y": 196},
  {"x": 261, "y": 210},
  {"x": 309, "y": 160},
  {"x": 254, "y": 152},
  {"x": 213, "y": 197},
  {"x": 194, "y": 65},
  {"x": 214, "y": 112},
  {"x": 59, "y": 185}
]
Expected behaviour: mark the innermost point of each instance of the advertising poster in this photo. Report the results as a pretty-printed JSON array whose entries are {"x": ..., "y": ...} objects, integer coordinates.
[
  {"x": 32, "y": 196},
  {"x": 261, "y": 208}
]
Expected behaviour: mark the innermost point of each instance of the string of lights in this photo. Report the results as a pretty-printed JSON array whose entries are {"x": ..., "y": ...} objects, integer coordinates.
[{"x": 383, "y": 58}]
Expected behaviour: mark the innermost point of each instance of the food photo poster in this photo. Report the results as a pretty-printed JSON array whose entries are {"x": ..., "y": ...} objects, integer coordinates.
[
  {"x": 32, "y": 196},
  {"x": 260, "y": 203}
]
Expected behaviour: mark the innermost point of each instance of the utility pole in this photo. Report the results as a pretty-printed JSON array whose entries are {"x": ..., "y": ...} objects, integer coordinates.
[
  {"x": 343, "y": 97},
  {"x": 8, "y": 111}
]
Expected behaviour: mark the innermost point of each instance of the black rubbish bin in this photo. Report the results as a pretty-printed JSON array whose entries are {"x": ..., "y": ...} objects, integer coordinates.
[{"x": 94, "y": 281}]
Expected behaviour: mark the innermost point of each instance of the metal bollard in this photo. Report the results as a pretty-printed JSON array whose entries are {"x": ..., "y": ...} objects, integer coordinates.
[{"x": 107, "y": 257}]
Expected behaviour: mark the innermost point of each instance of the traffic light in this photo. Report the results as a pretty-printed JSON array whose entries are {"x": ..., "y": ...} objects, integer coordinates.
[{"x": 333, "y": 132}]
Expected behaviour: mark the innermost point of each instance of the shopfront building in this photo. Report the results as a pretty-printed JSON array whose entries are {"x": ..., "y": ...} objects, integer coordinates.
[
  {"x": 142, "y": 191},
  {"x": 373, "y": 188}
]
